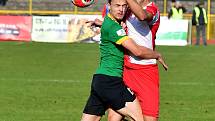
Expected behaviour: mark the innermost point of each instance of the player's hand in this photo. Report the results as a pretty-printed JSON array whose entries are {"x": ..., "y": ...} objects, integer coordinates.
[
  {"x": 123, "y": 24},
  {"x": 95, "y": 23},
  {"x": 161, "y": 60},
  {"x": 90, "y": 23},
  {"x": 98, "y": 22}
]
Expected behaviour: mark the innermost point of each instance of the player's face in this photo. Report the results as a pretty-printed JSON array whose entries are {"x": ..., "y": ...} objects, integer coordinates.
[{"x": 118, "y": 8}]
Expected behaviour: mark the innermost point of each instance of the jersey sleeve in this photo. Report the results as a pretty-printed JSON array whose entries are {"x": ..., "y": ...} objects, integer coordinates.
[
  {"x": 118, "y": 35},
  {"x": 152, "y": 10},
  {"x": 155, "y": 13}
]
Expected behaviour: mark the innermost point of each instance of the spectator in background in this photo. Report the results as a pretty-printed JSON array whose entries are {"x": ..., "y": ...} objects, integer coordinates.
[
  {"x": 177, "y": 10},
  {"x": 3, "y": 2},
  {"x": 200, "y": 20}
]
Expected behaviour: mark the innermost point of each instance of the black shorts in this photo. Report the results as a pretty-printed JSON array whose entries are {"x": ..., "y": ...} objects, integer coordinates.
[{"x": 107, "y": 92}]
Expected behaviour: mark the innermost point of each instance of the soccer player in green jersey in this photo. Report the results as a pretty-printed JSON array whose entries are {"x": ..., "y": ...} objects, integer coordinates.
[{"x": 107, "y": 88}]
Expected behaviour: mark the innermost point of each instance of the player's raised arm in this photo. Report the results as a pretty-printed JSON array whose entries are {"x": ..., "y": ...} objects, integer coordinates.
[{"x": 138, "y": 11}]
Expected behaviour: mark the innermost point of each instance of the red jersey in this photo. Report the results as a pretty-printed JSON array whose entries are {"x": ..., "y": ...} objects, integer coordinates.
[{"x": 144, "y": 34}]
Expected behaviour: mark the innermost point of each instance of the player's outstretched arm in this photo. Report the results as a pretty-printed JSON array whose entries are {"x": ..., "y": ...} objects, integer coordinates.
[
  {"x": 143, "y": 52},
  {"x": 96, "y": 22},
  {"x": 138, "y": 10},
  {"x": 140, "y": 51}
]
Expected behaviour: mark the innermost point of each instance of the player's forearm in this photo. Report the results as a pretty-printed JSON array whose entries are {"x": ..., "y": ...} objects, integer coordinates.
[
  {"x": 140, "y": 51},
  {"x": 147, "y": 53},
  {"x": 150, "y": 54},
  {"x": 137, "y": 9}
]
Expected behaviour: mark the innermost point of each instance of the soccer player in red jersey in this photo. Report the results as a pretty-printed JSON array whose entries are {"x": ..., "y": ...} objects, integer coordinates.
[{"x": 142, "y": 75}]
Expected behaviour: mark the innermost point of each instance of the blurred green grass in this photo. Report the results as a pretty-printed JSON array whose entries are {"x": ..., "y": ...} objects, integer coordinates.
[{"x": 51, "y": 82}]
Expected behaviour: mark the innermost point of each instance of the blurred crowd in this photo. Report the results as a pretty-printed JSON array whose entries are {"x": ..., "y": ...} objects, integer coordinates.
[
  {"x": 3, "y": 2},
  {"x": 199, "y": 18}
]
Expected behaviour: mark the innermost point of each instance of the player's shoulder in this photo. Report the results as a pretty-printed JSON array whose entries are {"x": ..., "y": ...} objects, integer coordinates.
[
  {"x": 152, "y": 8},
  {"x": 109, "y": 24},
  {"x": 107, "y": 21}
]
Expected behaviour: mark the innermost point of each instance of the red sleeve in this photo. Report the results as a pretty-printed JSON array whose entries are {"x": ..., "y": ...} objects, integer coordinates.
[
  {"x": 104, "y": 11},
  {"x": 151, "y": 9}
]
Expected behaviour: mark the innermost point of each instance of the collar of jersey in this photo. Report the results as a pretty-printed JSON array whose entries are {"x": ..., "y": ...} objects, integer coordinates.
[{"x": 111, "y": 17}]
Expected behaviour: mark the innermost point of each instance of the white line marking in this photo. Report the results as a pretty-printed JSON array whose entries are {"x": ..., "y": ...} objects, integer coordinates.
[
  {"x": 44, "y": 80},
  {"x": 191, "y": 83}
]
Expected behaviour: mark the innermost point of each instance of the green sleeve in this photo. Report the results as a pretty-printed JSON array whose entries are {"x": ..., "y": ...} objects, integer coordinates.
[{"x": 117, "y": 34}]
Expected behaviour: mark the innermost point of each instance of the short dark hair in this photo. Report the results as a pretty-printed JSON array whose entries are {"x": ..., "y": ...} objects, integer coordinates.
[
  {"x": 201, "y": 3},
  {"x": 109, "y": 1}
]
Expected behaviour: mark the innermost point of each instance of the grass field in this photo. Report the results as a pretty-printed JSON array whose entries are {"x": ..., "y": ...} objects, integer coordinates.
[{"x": 51, "y": 82}]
